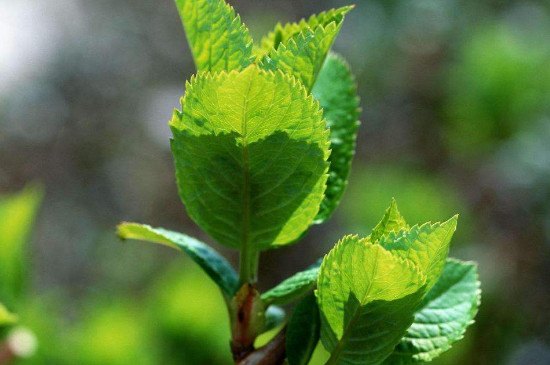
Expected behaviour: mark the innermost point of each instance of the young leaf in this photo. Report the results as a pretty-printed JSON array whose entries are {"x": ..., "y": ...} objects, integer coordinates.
[
  {"x": 448, "y": 309},
  {"x": 367, "y": 297},
  {"x": 392, "y": 221},
  {"x": 6, "y": 318},
  {"x": 282, "y": 33},
  {"x": 335, "y": 89},
  {"x": 17, "y": 213},
  {"x": 207, "y": 258},
  {"x": 218, "y": 39},
  {"x": 303, "y": 53},
  {"x": 303, "y": 331},
  {"x": 294, "y": 287},
  {"x": 426, "y": 245},
  {"x": 250, "y": 150}
]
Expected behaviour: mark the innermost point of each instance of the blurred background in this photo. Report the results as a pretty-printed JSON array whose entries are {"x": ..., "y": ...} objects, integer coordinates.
[{"x": 456, "y": 119}]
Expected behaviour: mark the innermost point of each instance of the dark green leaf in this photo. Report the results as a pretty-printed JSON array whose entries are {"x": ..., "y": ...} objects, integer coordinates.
[
  {"x": 336, "y": 91},
  {"x": 293, "y": 287},
  {"x": 206, "y": 257},
  {"x": 448, "y": 309},
  {"x": 303, "y": 331}
]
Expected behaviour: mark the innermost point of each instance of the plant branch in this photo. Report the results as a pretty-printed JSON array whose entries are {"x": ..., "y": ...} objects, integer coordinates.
[
  {"x": 273, "y": 353},
  {"x": 6, "y": 354},
  {"x": 248, "y": 265}
]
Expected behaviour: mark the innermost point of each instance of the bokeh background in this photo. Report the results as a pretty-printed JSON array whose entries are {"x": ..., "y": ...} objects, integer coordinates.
[{"x": 456, "y": 119}]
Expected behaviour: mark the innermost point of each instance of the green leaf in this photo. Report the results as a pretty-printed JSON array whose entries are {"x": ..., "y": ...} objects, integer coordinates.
[
  {"x": 336, "y": 91},
  {"x": 392, "y": 221},
  {"x": 448, "y": 309},
  {"x": 300, "y": 49},
  {"x": 426, "y": 245},
  {"x": 17, "y": 214},
  {"x": 293, "y": 287},
  {"x": 303, "y": 331},
  {"x": 282, "y": 33},
  {"x": 207, "y": 258},
  {"x": 367, "y": 297},
  {"x": 6, "y": 318},
  {"x": 274, "y": 317},
  {"x": 250, "y": 150},
  {"x": 218, "y": 39}
]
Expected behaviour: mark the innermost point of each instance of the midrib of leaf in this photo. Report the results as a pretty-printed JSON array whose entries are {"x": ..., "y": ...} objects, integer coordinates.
[
  {"x": 347, "y": 332},
  {"x": 210, "y": 43},
  {"x": 246, "y": 271}
]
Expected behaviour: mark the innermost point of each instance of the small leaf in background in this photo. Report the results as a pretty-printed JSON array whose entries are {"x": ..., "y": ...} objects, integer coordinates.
[
  {"x": 206, "y": 257},
  {"x": 216, "y": 36},
  {"x": 303, "y": 331},
  {"x": 448, "y": 309},
  {"x": 17, "y": 213},
  {"x": 274, "y": 317},
  {"x": 426, "y": 245},
  {"x": 250, "y": 151},
  {"x": 336, "y": 91},
  {"x": 392, "y": 221},
  {"x": 367, "y": 297},
  {"x": 300, "y": 49},
  {"x": 6, "y": 318},
  {"x": 293, "y": 287}
]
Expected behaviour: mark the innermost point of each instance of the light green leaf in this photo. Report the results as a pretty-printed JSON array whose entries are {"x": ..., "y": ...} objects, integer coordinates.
[
  {"x": 367, "y": 297},
  {"x": 426, "y": 245},
  {"x": 293, "y": 287},
  {"x": 206, "y": 257},
  {"x": 448, "y": 309},
  {"x": 303, "y": 331},
  {"x": 301, "y": 49},
  {"x": 336, "y": 91},
  {"x": 6, "y": 318},
  {"x": 17, "y": 213},
  {"x": 250, "y": 150},
  {"x": 392, "y": 221},
  {"x": 282, "y": 33},
  {"x": 216, "y": 36}
]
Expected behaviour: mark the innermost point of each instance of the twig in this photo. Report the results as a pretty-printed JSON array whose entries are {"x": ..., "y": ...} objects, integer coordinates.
[{"x": 273, "y": 353}]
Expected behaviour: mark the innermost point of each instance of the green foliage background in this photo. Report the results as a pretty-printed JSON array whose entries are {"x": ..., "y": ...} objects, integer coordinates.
[{"x": 455, "y": 113}]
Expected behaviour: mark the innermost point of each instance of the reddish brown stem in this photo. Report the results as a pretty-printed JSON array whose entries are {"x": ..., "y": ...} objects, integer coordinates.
[
  {"x": 273, "y": 353},
  {"x": 6, "y": 354}
]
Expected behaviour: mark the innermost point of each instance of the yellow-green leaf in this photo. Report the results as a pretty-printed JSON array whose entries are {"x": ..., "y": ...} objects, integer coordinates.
[
  {"x": 427, "y": 246},
  {"x": 300, "y": 49},
  {"x": 251, "y": 152},
  {"x": 367, "y": 297},
  {"x": 216, "y": 36},
  {"x": 6, "y": 318},
  {"x": 17, "y": 213},
  {"x": 392, "y": 221}
]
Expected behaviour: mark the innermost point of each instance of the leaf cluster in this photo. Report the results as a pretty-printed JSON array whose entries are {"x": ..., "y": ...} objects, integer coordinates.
[{"x": 262, "y": 146}]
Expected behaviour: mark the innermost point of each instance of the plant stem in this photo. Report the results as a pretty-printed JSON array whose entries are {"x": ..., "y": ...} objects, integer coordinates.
[
  {"x": 6, "y": 354},
  {"x": 273, "y": 353},
  {"x": 248, "y": 265}
]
